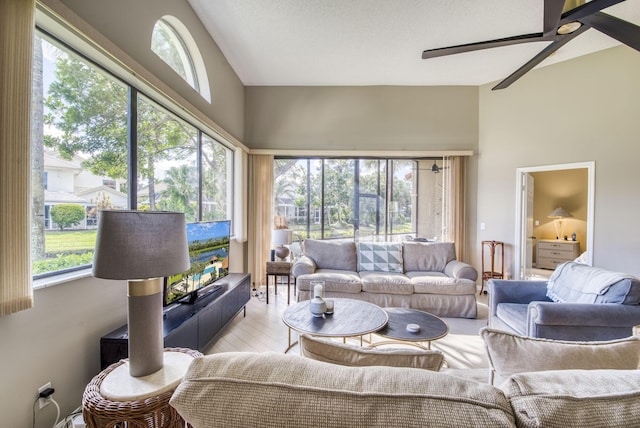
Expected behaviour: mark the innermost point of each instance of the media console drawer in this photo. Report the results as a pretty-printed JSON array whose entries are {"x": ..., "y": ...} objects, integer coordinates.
[{"x": 550, "y": 252}]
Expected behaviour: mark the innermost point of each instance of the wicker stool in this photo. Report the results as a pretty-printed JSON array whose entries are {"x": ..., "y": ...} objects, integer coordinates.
[{"x": 151, "y": 412}]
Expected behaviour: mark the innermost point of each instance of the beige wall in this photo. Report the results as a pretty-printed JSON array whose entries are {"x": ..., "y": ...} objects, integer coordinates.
[
  {"x": 362, "y": 118},
  {"x": 582, "y": 110}
]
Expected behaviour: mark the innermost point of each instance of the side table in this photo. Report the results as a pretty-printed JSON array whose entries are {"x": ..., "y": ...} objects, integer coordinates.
[
  {"x": 280, "y": 269},
  {"x": 114, "y": 398}
]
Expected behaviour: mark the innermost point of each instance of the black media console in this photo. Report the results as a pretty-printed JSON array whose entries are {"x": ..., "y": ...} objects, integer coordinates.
[{"x": 189, "y": 325}]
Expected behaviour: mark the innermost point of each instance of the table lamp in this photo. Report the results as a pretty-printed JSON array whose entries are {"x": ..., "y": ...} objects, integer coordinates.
[
  {"x": 280, "y": 238},
  {"x": 559, "y": 215},
  {"x": 142, "y": 247}
]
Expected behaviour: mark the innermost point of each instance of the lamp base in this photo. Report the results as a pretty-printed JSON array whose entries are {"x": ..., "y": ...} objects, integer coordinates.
[
  {"x": 282, "y": 252},
  {"x": 146, "y": 342}
]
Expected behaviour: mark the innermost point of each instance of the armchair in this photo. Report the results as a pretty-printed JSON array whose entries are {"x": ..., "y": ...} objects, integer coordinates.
[{"x": 523, "y": 307}]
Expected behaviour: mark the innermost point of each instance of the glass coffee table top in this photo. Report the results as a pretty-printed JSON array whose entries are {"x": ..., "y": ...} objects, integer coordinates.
[
  {"x": 350, "y": 318},
  {"x": 431, "y": 327}
]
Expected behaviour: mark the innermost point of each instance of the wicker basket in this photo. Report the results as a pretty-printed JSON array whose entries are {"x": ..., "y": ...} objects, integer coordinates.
[{"x": 153, "y": 412}]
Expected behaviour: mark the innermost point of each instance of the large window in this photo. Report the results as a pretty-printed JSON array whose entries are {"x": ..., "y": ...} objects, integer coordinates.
[
  {"x": 347, "y": 198},
  {"x": 87, "y": 127}
]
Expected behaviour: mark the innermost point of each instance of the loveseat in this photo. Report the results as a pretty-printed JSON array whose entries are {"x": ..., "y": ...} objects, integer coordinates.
[
  {"x": 275, "y": 390},
  {"x": 579, "y": 302},
  {"x": 415, "y": 275}
]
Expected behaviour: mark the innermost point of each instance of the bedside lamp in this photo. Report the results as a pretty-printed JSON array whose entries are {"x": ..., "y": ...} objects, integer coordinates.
[
  {"x": 280, "y": 238},
  {"x": 559, "y": 215},
  {"x": 142, "y": 247}
]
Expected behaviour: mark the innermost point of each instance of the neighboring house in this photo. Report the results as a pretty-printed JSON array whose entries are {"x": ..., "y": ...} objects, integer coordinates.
[{"x": 66, "y": 182}]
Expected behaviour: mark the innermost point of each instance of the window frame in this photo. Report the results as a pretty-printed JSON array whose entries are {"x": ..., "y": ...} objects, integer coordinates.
[
  {"x": 383, "y": 230},
  {"x": 133, "y": 82}
]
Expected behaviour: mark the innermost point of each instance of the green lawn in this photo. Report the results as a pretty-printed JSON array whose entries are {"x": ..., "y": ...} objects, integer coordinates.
[{"x": 72, "y": 240}]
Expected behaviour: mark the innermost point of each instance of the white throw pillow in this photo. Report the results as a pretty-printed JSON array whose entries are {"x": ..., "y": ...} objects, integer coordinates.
[{"x": 509, "y": 354}]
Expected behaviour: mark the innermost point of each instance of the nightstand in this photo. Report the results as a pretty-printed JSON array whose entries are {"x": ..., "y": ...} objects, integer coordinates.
[
  {"x": 279, "y": 269},
  {"x": 551, "y": 252}
]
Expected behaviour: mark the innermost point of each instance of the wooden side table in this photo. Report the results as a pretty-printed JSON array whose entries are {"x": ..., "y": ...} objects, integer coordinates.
[
  {"x": 279, "y": 269},
  {"x": 114, "y": 398},
  {"x": 493, "y": 271}
]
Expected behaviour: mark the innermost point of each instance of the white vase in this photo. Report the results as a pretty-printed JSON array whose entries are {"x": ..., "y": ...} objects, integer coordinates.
[{"x": 317, "y": 307}]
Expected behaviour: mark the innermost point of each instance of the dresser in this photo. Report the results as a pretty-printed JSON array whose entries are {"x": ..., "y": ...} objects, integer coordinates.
[{"x": 551, "y": 252}]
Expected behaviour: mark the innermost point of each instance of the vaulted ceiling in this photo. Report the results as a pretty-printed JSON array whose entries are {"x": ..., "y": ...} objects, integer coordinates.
[{"x": 380, "y": 42}]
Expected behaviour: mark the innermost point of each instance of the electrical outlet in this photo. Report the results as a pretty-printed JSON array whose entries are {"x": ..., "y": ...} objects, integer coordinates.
[{"x": 43, "y": 402}]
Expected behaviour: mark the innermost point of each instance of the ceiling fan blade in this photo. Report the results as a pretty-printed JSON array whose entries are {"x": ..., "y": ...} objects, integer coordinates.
[
  {"x": 541, "y": 56},
  {"x": 623, "y": 31},
  {"x": 552, "y": 15},
  {"x": 469, "y": 47},
  {"x": 586, "y": 9}
]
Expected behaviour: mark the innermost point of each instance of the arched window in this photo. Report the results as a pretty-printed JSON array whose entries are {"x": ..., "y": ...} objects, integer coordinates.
[{"x": 173, "y": 43}]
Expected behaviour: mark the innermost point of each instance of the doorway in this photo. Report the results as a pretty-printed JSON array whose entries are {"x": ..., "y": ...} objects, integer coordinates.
[{"x": 525, "y": 241}]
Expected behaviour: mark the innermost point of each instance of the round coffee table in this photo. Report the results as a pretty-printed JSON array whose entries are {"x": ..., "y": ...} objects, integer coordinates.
[
  {"x": 431, "y": 327},
  {"x": 350, "y": 318}
]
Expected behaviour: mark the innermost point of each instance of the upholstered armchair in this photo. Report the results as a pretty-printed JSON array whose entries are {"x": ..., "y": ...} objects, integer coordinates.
[{"x": 578, "y": 302}]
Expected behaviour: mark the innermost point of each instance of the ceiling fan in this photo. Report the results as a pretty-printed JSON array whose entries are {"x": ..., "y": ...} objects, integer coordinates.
[{"x": 559, "y": 28}]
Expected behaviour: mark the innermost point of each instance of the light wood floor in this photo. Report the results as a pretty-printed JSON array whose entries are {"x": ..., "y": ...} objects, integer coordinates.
[{"x": 262, "y": 330}]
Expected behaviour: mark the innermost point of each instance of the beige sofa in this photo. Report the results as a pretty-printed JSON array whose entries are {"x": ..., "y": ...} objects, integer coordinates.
[
  {"x": 415, "y": 275},
  {"x": 274, "y": 390}
]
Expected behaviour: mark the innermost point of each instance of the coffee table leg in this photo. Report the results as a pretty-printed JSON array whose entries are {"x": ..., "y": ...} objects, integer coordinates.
[{"x": 290, "y": 345}]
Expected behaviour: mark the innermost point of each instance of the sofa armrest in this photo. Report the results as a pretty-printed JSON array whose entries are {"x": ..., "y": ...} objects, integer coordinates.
[
  {"x": 515, "y": 291},
  {"x": 584, "y": 314},
  {"x": 303, "y": 266},
  {"x": 460, "y": 270}
]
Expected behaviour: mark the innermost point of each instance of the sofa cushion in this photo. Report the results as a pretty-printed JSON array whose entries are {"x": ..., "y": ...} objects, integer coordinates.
[
  {"x": 274, "y": 390},
  {"x": 509, "y": 354},
  {"x": 577, "y": 283},
  {"x": 515, "y": 315},
  {"x": 575, "y": 398},
  {"x": 430, "y": 257},
  {"x": 338, "y": 255},
  {"x": 342, "y": 281},
  {"x": 385, "y": 282},
  {"x": 382, "y": 257},
  {"x": 439, "y": 283},
  {"x": 348, "y": 355}
]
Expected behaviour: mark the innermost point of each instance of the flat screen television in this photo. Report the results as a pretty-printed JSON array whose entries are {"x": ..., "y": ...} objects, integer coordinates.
[{"x": 209, "y": 261}]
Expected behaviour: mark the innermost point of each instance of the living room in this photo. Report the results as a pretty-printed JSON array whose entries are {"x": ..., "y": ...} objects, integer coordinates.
[{"x": 580, "y": 110}]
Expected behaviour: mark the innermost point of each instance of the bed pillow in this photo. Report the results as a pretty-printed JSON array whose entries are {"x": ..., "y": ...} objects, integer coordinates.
[{"x": 509, "y": 354}]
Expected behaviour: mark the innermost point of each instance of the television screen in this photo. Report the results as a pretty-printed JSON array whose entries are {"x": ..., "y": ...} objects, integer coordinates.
[{"x": 209, "y": 260}]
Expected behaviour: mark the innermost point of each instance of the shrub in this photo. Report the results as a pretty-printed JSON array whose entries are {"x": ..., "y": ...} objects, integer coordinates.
[
  {"x": 63, "y": 261},
  {"x": 66, "y": 215}
]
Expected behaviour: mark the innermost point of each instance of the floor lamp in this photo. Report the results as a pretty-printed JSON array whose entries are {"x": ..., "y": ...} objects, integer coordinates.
[{"x": 142, "y": 247}]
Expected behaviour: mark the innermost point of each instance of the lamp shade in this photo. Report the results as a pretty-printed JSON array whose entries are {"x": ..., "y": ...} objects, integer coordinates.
[
  {"x": 140, "y": 244},
  {"x": 282, "y": 237},
  {"x": 560, "y": 213}
]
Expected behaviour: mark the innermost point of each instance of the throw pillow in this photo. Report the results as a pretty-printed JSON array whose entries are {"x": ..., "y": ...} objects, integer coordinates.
[
  {"x": 509, "y": 354},
  {"x": 346, "y": 355},
  {"x": 381, "y": 257},
  {"x": 428, "y": 256},
  {"x": 339, "y": 255},
  {"x": 577, "y": 398}
]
